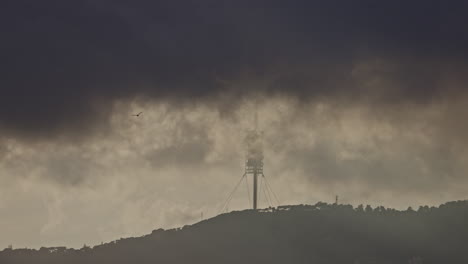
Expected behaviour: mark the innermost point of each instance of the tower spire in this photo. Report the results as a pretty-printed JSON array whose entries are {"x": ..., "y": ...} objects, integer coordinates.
[{"x": 256, "y": 114}]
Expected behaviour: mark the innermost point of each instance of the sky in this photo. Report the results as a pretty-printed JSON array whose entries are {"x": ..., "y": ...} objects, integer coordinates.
[{"x": 361, "y": 99}]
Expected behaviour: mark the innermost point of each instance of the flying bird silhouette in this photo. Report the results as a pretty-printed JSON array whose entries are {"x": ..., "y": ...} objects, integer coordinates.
[{"x": 138, "y": 114}]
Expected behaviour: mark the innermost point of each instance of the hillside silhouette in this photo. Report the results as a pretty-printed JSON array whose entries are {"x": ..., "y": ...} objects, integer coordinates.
[{"x": 320, "y": 233}]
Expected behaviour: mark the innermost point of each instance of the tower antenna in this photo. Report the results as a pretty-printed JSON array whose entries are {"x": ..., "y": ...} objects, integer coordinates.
[{"x": 256, "y": 113}]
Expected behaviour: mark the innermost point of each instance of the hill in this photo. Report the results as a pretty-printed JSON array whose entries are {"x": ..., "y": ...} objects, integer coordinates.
[{"x": 320, "y": 233}]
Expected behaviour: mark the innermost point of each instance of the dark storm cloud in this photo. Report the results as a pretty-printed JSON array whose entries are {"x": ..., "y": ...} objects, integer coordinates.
[{"x": 65, "y": 62}]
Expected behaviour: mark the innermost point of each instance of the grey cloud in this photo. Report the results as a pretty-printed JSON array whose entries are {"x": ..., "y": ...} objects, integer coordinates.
[
  {"x": 191, "y": 154},
  {"x": 414, "y": 169},
  {"x": 65, "y": 63},
  {"x": 167, "y": 167},
  {"x": 188, "y": 144},
  {"x": 69, "y": 169}
]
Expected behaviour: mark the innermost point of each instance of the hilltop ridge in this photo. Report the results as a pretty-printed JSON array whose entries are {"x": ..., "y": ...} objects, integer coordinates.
[{"x": 320, "y": 233}]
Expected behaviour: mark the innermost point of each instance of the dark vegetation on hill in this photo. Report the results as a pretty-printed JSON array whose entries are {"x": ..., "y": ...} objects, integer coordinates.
[{"x": 320, "y": 233}]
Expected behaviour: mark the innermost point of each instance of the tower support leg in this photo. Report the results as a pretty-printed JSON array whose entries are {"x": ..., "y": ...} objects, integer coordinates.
[{"x": 255, "y": 179}]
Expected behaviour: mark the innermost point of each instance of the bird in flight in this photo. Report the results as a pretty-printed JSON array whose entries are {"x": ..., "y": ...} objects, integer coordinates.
[{"x": 138, "y": 114}]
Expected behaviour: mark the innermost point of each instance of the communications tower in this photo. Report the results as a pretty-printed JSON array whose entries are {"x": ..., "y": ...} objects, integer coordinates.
[
  {"x": 254, "y": 160},
  {"x": 254, "y": 166}
]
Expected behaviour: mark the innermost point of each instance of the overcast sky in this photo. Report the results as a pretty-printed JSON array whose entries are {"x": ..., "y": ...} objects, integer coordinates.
[{"x": 363, "y": 99}]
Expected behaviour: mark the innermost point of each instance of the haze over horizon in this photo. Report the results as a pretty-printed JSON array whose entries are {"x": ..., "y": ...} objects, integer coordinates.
[{"x": 364, "y": 99}]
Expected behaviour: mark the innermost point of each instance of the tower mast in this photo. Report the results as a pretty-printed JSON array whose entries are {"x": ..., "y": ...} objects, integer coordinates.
[
  {"x": 254, "y": 159},
  {"x": 255, "y": 180}
]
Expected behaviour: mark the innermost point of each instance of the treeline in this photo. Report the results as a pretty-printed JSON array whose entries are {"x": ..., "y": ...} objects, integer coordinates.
[{"x": 321, "y": 233}]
